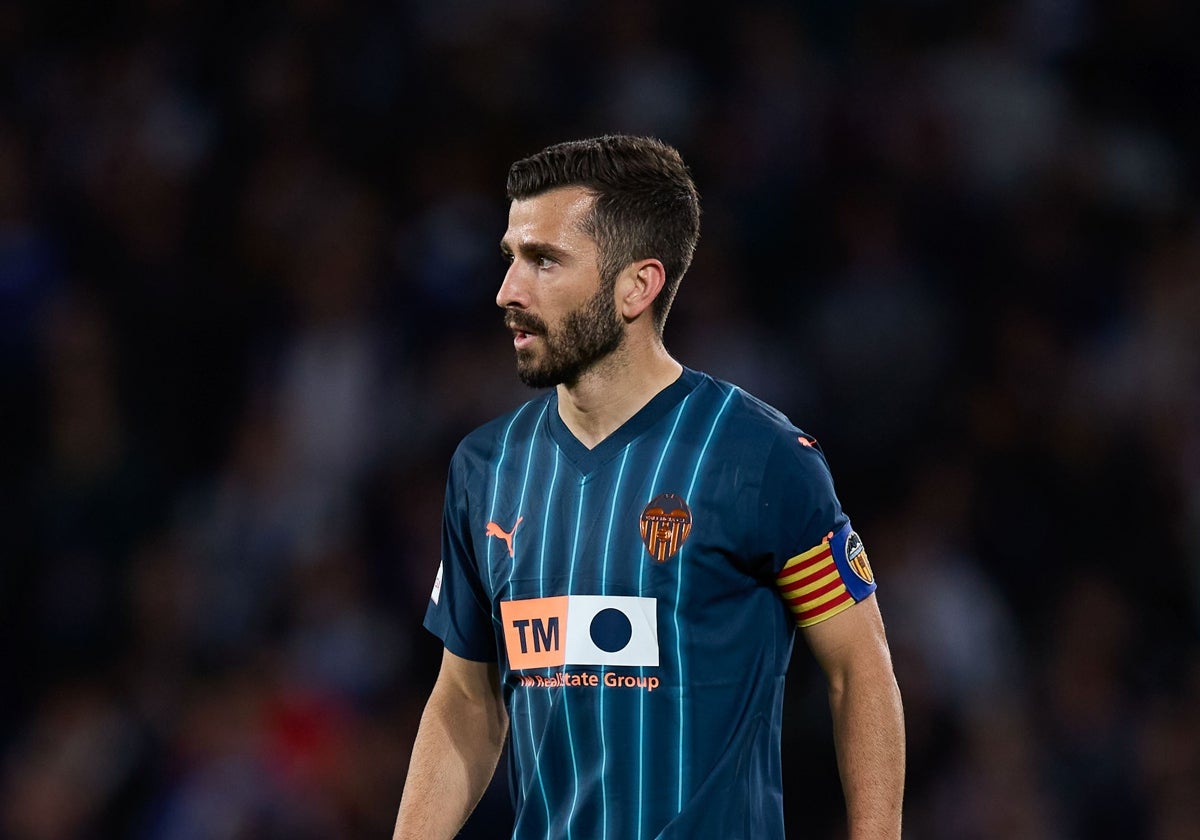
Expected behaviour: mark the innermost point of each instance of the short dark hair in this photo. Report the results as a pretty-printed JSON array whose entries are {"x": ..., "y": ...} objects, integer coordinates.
[{"x": 646, "y": 204}]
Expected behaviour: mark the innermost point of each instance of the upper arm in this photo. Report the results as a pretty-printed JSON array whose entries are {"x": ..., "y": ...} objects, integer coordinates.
[
  {"x": 467, "y": 698},
  {"x": 853, "y": 641},
  {"x": 454, "y": 756},
  {"x": 465, "y": 680},
  {"x": 810, "y": 547}
]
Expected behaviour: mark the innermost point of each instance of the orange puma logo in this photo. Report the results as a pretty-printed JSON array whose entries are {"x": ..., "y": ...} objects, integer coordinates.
[{"x": 494, "y": 530}]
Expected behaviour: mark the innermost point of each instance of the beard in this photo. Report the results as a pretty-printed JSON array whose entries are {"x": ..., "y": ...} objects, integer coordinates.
[{"x": 586, "y": 336}]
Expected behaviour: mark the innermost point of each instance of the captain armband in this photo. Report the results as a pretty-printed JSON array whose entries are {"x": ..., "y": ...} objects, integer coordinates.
[{"x": 827, "y": 579}]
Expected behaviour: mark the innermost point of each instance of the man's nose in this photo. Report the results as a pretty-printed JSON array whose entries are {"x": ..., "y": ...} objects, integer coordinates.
[{"x": 513, "y": 289}]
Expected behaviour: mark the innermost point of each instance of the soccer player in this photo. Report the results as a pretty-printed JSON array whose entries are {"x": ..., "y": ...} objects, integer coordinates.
[{"x": 625, "y": 558}]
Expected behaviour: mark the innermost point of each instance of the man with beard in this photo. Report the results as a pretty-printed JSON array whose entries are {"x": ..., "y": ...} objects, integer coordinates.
[{"x": 625, "y": 558}]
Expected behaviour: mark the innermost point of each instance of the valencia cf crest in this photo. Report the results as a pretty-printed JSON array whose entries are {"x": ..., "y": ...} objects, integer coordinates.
[
  {"x": 856, "y": 555},
  {"x": 666, "y": 523}
]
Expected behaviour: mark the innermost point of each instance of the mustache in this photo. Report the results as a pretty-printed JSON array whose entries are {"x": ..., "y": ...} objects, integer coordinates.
[{"x": 524, "y": 322}]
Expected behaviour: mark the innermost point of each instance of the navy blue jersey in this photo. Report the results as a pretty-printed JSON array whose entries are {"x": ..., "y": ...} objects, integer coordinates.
[{"x": 641, "y": 600}]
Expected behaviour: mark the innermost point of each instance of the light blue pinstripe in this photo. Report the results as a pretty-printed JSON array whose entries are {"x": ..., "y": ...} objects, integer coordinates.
[
  {"x": 641, "y": 576},
  {"x": 612, "y": 513},
  {"x": 563, "y": 691},
  {"x": 496, "y": 487},
  {"x": 537, "y": 768},
  {"x": 679, "y": 597},
  {"x": 522, "y": 696},
  {"x": 525, "y": 486}
]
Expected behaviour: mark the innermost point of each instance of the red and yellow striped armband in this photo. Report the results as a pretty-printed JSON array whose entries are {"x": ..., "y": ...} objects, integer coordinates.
[{"x": 812, "y": 586}]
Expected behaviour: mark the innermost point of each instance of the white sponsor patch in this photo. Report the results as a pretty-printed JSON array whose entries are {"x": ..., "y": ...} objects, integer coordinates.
[{"x": 611, "y": 630}]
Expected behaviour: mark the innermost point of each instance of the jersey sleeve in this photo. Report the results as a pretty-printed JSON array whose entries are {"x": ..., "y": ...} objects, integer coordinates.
[
  {"x": 459, "y": 611},
  {"x": 818, "y": 561}
]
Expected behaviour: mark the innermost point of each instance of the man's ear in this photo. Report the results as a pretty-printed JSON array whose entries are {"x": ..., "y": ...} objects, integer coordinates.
[{"x": 637, "y": 287}]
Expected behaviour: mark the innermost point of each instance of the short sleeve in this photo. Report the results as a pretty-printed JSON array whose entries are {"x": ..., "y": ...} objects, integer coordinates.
[
  {"x": 818, "y": 560},
  {"x": 459, "y": 610}
]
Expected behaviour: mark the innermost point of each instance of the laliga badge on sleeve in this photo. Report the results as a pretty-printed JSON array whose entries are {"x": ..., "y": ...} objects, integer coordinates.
[{"x": 437, "y": 585}]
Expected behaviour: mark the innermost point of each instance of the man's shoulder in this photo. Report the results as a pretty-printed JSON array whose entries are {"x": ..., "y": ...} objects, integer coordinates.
[
  {"x": 765, "y": 438},
  {"x": 748, "y": 414},
  {"x": 484, "y": 442}
]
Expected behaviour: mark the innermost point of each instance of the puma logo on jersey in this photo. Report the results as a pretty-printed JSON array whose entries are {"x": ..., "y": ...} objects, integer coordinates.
[{"x": 494, "y": 530}]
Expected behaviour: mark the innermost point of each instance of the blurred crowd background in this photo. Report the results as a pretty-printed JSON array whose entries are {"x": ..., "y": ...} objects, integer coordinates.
[{"x": 248, "y": 256}]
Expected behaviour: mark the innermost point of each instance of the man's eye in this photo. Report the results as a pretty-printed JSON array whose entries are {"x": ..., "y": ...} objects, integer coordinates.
[
  {"x": 544, "y": 262},
  {"x": 507, "y": 256}
]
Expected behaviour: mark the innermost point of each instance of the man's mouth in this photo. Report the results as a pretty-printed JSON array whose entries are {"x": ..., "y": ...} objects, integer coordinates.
[
  {"x": 523, "y": 331},
  {"x": 523, "y": 338}
]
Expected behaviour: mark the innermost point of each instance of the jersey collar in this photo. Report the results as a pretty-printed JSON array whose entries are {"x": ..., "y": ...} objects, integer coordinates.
[{"x": 586, "y": 460}]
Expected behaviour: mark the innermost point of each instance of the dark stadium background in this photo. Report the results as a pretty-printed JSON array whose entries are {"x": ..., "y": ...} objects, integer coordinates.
[{"x": 247, "y": 262}]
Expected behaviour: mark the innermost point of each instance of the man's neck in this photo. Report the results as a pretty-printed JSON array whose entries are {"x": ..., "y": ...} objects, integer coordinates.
[{"x": 615, "y": 390}]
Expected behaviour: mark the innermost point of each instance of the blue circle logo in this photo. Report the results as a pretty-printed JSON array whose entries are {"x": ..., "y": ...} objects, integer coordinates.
[{"x": 611, "y": 630}]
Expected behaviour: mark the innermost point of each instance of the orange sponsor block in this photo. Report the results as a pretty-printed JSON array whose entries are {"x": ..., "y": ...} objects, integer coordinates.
[{"x": 535, "y": 632}]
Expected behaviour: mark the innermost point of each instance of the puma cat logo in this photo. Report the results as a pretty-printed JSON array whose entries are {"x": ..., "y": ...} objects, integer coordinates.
[{"x": 494, "y": 530}]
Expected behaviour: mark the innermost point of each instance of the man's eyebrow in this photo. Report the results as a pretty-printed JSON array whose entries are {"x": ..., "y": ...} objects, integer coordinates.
[{"x": 533, "y": 248}]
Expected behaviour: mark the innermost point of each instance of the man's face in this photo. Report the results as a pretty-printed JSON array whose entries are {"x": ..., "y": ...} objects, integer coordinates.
[{"x": 563, "y": 317}]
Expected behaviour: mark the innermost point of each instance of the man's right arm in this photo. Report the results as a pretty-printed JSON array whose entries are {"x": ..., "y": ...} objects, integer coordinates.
[{"x": 457, "y": 747}]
